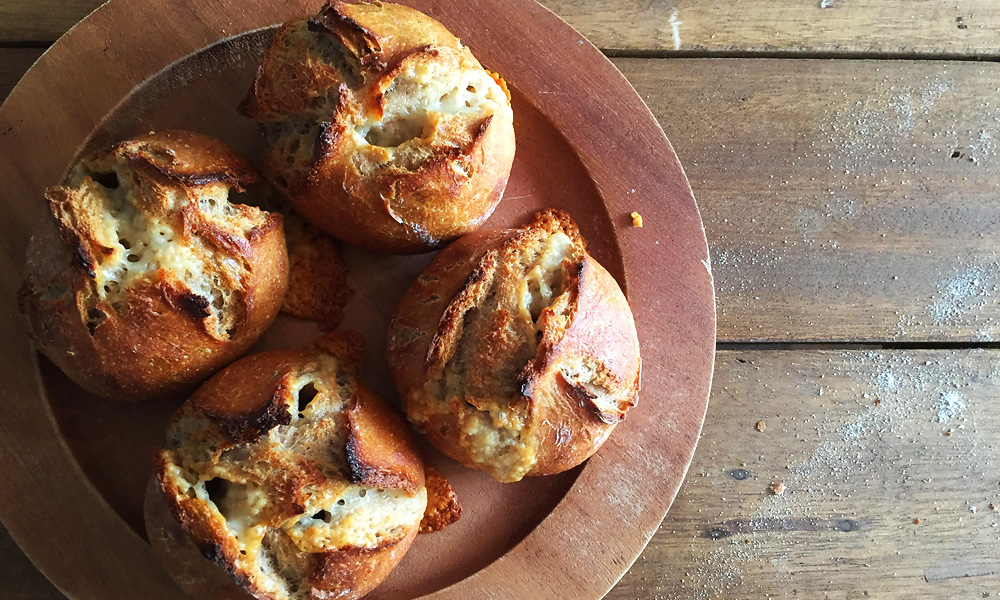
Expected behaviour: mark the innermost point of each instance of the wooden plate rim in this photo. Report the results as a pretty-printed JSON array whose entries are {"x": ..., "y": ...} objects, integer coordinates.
[{"x": 74, "y": 512}]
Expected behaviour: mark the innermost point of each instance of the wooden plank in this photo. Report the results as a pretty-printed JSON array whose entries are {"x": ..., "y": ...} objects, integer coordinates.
[
  {"x": 22, "y": 581},
  {"x": 41, "y": 21},
  {"x": 843, "y": 200},
  {"x": 957, "y": 28},
  {"x": 842, "y": 27},
  {"x": 857, "y": 440},
  {"x": 831, "y": 195},
  {"x": 13, "y": 63}
]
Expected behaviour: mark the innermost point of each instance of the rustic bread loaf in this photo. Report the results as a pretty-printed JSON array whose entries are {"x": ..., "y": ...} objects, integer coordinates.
[
  {"x": 292, "y": 477},
  {"x": 515, "y": 352},
  {"x": 382, "y": 128},
  {"x": 148, "y": 279}
]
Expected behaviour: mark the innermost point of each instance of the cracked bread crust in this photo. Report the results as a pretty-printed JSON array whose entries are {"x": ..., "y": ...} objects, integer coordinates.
[
  {"x": 382, "y": 129},
  {"x": 317, "y": 274},
  {"x": 443, "y": 507},
  {"x": 515, "y": 352},
  {"x": 148, "y": 279},
  {"x": 291, "y": 476}
]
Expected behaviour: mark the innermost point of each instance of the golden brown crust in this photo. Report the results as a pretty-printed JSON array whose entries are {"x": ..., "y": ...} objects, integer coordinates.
[
  {"x": 284, "y": 459},
  {"x": 245, "y": 400},
  {"x": 156, "y": 336},
  {"x": 359, "y": 168},
  {"x": 353, "y": 572},
  {"x": 503, "y": 388},
  {"x": 188, "y": 158},
  {"x": 294, "y": 75},
  {"x": 317, "y": 275},
  {"x": 348, "y": 347},
  {"x": 602, "y": 331},
  {"x": 379, "y": 446},
  {"x": 443, "y": 507}
]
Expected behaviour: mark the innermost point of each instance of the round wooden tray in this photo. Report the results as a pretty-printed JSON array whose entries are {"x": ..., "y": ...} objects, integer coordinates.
[{"x": 75, "y": 466}]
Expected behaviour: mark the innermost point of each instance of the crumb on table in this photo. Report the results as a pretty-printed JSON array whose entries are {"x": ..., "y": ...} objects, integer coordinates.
[
  {"x": 916, "y": 521},
  {"x": 761, "y": 426},
  {"x": 778, "y": 489},
  {"x": 636, "y": 219}
]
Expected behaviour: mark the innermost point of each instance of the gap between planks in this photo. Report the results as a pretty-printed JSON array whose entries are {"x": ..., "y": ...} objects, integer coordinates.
[
  {"x": 820, "y": 345},
  {"x": 797, "y": 55},
  {"x": 614, "y": 53}
]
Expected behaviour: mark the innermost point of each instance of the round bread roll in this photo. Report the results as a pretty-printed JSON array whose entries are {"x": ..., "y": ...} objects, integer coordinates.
[
  {"x": 148, "y": 279},
  {"x": 291, "y": 476},
  {"x": 515, "y": 352},
  {"x": 382, "y": 129}
]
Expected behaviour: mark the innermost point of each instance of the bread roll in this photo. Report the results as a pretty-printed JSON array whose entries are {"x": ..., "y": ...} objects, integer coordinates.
[
  {"x": 382, "y": 129},
  {"x": 292, "y": 477},
  {"x": 148, "y": 279},
  {"x": 515, "y": 352}
]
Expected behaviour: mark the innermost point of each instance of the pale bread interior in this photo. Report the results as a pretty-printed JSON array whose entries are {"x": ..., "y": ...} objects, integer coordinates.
[
  {"x": 139, "y": 227},
  {"x": 424, "y": 94}
]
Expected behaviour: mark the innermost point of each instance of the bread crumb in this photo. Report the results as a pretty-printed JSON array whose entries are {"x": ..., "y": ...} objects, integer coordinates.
[
  {"x": 948, "y": 433},
  {"x": 443, "y": 507},
  {"x": 317, "y": 274},
  {"x": 636, "y": 219},
  {"x": 916, "y": 521},
  {"x": 778, "y": 489},
  {"x": 761, "y": 426}
]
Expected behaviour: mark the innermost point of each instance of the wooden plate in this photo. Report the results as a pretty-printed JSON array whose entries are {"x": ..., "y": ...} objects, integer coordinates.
[{"x": 75, "y": 466}]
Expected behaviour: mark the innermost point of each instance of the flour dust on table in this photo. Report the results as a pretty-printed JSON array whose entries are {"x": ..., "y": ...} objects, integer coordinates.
[{"x": 877, "y": 425}]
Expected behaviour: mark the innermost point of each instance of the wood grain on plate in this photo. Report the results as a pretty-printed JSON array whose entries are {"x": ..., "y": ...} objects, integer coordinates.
[
  {"x": 829, "y": 188},
  {"x": 902, "y": 27},
  {"x": 561, "y": 162},
  {"x": 857, "y": 440}
]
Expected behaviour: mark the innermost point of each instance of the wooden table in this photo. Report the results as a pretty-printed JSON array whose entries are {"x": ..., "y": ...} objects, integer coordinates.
[{"x": 844, "y": 156}]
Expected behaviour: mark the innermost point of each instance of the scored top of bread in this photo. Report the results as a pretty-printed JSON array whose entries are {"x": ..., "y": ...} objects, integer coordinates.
[
  {"x": 292, "y": 476},
  {"x": 149, "y": 278},
  {"x": 515, "y": 351},
  {"x": 383, "y": 129}
]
